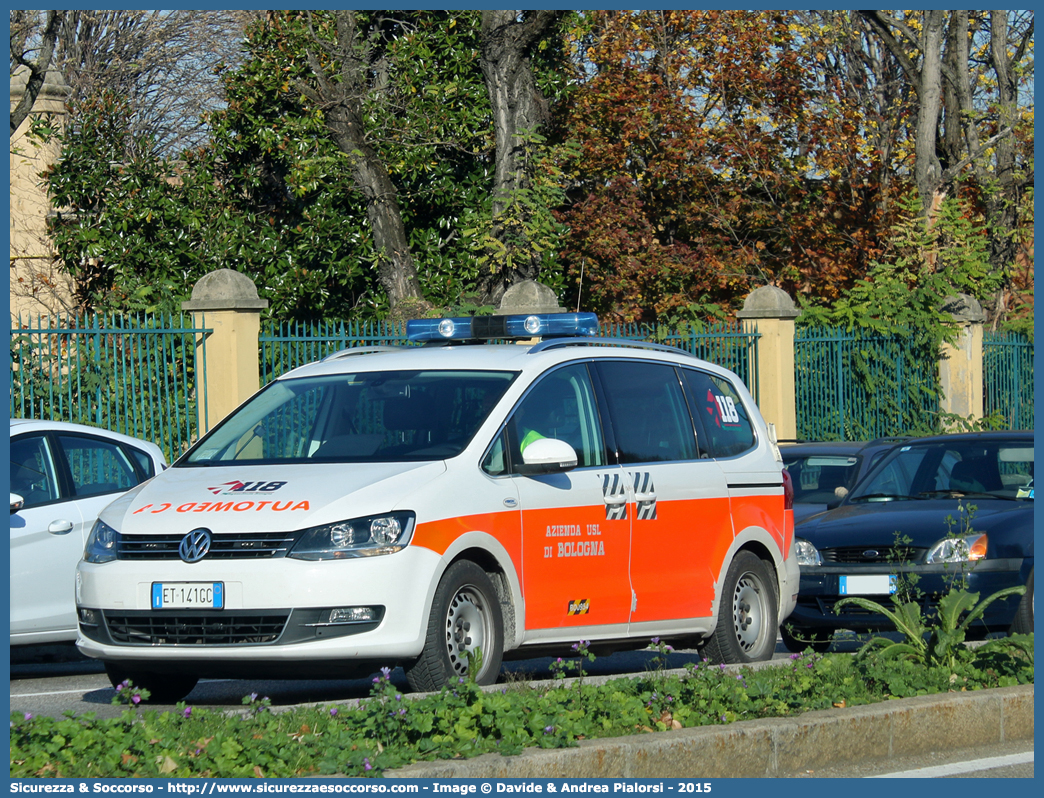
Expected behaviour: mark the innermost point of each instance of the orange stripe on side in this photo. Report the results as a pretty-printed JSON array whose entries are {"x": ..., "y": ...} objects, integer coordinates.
[{"x": 505, "y": 527}]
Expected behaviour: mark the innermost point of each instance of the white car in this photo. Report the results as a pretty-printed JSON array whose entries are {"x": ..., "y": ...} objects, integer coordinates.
[
  {"x": 442, "y": 506},
  {"x": 62, "y": 476}
]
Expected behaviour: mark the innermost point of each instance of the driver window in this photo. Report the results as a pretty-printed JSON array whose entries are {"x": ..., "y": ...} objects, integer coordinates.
[{"x": 560, "y": 406}]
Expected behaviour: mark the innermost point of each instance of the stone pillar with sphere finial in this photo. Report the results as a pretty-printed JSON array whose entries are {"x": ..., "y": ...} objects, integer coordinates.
[{"x": 226, "y": 302}]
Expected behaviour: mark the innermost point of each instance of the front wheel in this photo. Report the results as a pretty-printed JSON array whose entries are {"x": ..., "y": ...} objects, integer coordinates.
[
  {"x": 163, "y": 688},
  {"x": 747, "y": 616},
  {"x": 465, "y": 619},
  {"x": 1023, "y": 623}
]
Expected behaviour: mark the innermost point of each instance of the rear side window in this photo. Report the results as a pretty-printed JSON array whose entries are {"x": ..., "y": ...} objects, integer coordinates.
[
  {"x": 651, "y": 421},
  {"x": 727, "y": 430},
  {"x": 97, "y": 466}
]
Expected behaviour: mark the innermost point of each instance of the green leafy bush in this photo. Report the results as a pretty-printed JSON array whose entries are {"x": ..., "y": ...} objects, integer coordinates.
[{"x": 390, "y": 730}]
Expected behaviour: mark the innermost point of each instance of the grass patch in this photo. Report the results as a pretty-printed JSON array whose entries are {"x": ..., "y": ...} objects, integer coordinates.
[{"x": 389, "y": 730}]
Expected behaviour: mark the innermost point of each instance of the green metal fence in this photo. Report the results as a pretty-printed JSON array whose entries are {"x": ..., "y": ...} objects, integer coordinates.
[
  {"x": 1007, "y": 372},
  {"x": 286, "y": 345},
  {"x": 860, "y": 385},
  {"x": 142, "y": 377}
]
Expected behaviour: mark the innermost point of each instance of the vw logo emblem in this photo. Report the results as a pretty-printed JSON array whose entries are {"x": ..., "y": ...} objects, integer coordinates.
[{"x": 195, "y": 545}]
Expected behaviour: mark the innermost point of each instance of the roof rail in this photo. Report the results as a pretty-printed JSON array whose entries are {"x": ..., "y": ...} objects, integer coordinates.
[
  {"x": 361, "y": 350},
  {"x": 555, "y": 343}
]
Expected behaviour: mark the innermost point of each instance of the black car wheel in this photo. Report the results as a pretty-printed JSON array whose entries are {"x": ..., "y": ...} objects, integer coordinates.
[
  {"x": 1023, "y": 623},
  {"x": 164, "y": 688},
  {"x": 465, "y": 616},
  {"x": 798, "y": 638},
  {"x": 747, "y": 617}
]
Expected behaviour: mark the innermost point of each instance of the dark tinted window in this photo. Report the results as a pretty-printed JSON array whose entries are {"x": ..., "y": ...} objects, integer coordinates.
[
  {"x": 817, "y": 477},
  {"x": 726, "y": 426},
  {"x": 650, "y": 418}
]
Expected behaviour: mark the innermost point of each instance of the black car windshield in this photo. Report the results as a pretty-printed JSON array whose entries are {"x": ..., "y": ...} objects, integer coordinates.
[
  {"x": 367, "y": 417},
  {"x": 818, "y": 477},
  {"x": 1001, "y": 468}
]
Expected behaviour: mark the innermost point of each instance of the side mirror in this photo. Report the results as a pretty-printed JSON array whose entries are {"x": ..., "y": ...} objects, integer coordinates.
[
  {"x": 547, "y": 456},
  {"x": 16, "y": 503}
]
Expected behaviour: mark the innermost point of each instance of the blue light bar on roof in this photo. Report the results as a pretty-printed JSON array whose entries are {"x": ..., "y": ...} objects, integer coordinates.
[{"x": 478, "y": 328}]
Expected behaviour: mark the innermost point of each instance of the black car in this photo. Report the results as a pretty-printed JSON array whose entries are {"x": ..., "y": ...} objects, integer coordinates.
[
  {"x": 932, "y": 513},
  {"x": 824, "y": 472}
]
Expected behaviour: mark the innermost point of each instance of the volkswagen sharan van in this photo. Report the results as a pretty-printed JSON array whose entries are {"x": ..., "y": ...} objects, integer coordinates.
[{"x": 448, "y": 505}]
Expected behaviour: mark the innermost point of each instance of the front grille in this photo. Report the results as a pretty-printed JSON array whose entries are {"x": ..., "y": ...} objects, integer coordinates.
[
  {"x": 195, "y": 629},
  {"x": 239, "y": 545},
  {"x": 882, "y": 554}
]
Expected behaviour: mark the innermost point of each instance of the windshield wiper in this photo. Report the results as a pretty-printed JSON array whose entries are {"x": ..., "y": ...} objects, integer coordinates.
[
  {"x": 894, "y": 496},
  {"x": 956, "y": 493}
]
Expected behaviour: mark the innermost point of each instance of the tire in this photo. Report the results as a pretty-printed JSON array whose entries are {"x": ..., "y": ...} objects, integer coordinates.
[
  {"x": 798, "y": 638},
  {"x": 1023, "y": 623},
  {"x": 465, "y": 616},
  {"x": 164, "y": 688},
  {"x": 747, "y": 615}
]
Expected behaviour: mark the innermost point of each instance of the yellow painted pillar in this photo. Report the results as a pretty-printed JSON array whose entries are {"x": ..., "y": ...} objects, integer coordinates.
[
  {"x": 960, "y": 363},
  {"x": 772, "y": 312},
  {"x": 226, "y": 302}
]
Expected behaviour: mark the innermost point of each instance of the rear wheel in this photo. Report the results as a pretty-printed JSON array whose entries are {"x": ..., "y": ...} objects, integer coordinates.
[
  {"x": 164, "y": 688},
  {"x": 465, "y": 618},
  {"x": 747, "y": 617},
  {"x": 798, "y": 638},
  {"x": 1023, "y": 623}
]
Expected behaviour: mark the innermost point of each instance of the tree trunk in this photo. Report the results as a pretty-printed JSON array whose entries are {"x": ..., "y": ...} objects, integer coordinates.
[
  {"x": 342, "y": 99},
  {"x": 397, "y": 272},
  {"x": 37, "y": 69},
  {"x": 518, "y": 108}
]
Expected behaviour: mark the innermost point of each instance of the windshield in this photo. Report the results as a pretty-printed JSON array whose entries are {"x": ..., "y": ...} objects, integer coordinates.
[
  {"x": 356, "y": 418},
  {"x": 1000, "y": 469}
]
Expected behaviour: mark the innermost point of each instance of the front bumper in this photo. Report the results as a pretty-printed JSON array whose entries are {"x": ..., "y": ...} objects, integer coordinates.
[
  {"x": 820, "y": 591},
  {"x": 275, "y": 613}
]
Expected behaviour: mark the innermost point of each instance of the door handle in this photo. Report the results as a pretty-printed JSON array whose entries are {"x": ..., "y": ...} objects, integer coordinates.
[{"x": 60, "y": 527}]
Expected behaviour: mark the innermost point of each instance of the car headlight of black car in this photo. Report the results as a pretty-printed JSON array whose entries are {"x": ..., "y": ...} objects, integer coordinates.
[
  {"x": 806, "y": 553},
  {"x": 967, "y": 548},
  {"x": 355, "y": 537},
  {"x": 101, "y": 543}
]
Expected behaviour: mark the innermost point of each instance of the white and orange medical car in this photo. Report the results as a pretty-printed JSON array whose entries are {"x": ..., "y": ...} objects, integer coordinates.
[{"x": 414, "y": 505}]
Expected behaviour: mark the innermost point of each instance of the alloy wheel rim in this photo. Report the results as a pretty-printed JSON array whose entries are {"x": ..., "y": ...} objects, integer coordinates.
[
  {"x": 466, "y": 627},
  {"x": 748, "y": 611}
]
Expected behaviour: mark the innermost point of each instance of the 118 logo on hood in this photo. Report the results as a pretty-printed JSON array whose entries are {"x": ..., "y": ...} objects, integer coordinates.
[{"x": 235, "y": 486}]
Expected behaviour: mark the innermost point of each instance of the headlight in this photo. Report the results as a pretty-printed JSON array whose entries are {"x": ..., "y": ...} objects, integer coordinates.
[
  {"x": 101, "y": 543},
  {"x": 357, "y": 537},
  {"x": 970, "y": 547},
  {"x": 807, "y": 554}
]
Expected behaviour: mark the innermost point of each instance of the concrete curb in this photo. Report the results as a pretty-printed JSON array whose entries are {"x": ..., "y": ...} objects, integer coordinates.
[{"x": 772, "y": 747}]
